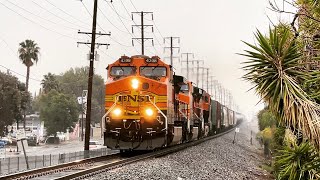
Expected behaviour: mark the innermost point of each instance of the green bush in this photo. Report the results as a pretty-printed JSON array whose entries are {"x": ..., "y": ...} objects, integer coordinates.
[
  {"x": 300, "y": 162},
  {"x": 278, "y": 138},
  {"x": 266, "y": 119}
]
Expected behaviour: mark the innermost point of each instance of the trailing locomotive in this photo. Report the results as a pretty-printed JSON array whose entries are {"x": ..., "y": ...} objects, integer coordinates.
[{"x": 148, "y": 106}]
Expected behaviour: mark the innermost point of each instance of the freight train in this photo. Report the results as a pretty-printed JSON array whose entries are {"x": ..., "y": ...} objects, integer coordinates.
[{"x": 147, "y": 107}]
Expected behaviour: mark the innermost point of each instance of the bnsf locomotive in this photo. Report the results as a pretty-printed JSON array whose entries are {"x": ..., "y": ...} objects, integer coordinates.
[{"x": 148, "y": 106}]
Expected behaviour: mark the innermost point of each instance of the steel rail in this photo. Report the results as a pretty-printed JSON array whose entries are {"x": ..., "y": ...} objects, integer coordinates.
[
  {"x": 82, "y": 174},
  {"x": 106, "y": 167},
  {"x": 34, "y": 173}
]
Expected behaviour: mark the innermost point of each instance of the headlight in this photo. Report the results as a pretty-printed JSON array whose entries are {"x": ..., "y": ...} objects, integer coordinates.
[
  {"x": 134, "y": 83},
  {"x": 149, "y": 112},
  {"x": 116, "y": 112}
]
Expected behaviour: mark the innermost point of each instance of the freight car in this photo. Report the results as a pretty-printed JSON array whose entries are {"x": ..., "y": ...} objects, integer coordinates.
[{"x": 147, "y": 106}]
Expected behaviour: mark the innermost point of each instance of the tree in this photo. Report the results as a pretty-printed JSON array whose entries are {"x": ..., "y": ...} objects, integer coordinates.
[
  {"x": 305, "y": 26},
  {"x": 28, "y": 54},
  {"x": 49, "y": 82},
  {"x": 75, "y": 80},
  {"x": 58, "y": 111},
  {"x": 13, "y": 100},
  {"x": 275, "y": 71},
  {"x": 284, "y": 68},
  {"x": 266, "y": 119}
]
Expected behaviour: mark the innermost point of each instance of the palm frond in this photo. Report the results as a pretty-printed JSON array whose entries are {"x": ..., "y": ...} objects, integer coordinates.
[
  {"x": 275, "y": 71},
  {"x": 29, "y": 52}
]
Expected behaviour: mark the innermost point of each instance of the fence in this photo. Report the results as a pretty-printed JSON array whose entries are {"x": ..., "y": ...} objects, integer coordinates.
[{"x": 15, "y": 164}]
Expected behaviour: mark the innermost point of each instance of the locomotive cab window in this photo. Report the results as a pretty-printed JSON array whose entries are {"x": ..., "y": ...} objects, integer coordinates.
[
  {"x": 184, "y": 87},
  {"x": 119, "y": 71},
  {"x": 157, "y": 71}
]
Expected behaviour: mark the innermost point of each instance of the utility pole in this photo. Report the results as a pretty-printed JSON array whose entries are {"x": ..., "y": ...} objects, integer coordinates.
[
  {"x": 207, "y": 79},
  {"x": 83, "y": 108},
  {"x": 171, "y": 47},
  {"x": 203, "y": 74},
  {"x": 213, "y": 85},
  {"x": 230, "y": 100},
  {"x": 142, "y": 27},
  {"x": 90, "y": 76},
  {"x": 187, "y": 61},
  {"x": 197, "y": 61},
  {"x": 224, "y": 96},
  {"x": 220, "y": 93}
]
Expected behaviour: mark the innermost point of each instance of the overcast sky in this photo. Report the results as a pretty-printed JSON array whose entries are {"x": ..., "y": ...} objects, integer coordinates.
[{"x": 210, "y": 29}]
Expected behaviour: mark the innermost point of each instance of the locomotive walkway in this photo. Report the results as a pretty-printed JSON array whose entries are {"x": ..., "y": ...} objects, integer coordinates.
[{"x": 215, "y": 159}]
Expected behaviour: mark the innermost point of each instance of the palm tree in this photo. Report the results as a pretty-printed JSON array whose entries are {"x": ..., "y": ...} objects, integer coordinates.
[
  {"x": 276, "y": 69},
  {"x": 28, "y": 54},
  {"x": 49, "y": 82}
]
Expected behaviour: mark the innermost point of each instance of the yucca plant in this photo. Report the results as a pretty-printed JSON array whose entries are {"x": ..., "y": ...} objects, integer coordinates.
[
  {"x": 298, "y": 163},
  {"x": 275, "y": 69}
]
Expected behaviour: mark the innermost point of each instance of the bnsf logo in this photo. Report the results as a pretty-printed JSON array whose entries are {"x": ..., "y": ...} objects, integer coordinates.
[{"x": 135, "y": 98}]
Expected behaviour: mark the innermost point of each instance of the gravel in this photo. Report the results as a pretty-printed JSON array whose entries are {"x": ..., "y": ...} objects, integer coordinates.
[{"x": 215, "y": 159}]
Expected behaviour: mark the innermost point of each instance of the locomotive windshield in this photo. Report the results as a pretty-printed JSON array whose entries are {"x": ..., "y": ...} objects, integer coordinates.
[
  {"x": 122, "y": 71},
  {"x": 184, "y": 87},
  {"x": 157, "y": 71}
]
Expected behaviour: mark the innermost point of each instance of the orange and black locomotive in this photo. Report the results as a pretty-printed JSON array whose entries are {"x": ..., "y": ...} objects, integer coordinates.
[{"x": 147, "y": 106}]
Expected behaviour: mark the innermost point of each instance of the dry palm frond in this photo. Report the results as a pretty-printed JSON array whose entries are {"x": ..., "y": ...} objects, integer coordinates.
[{"x": 273, "y": 67}]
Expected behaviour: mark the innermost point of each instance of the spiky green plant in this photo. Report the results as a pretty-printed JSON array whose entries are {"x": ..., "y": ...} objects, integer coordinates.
[
  {"x": 298, "y": 163},
  {"x": 274, "y": 68}
]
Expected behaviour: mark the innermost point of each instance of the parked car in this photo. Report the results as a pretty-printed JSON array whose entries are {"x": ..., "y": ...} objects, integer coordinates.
[
  {"x": 52, "y": 140},
  {"x": 32, "y": 141},
  {"x": 2, "y": 143}
]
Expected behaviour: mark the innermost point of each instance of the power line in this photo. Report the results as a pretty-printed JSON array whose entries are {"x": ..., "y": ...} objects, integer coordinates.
[
  {"x": 107, "y": 54},
  {"x": 63, "y": 19},
  {"x": 157, "y": 29},
  {"x": 132, "y": 35},
  {"x": 8, "y": 46},
  {"x": 155, "y": 25},
  {"x": 103, "y": 29},
  {"x": 136, "y": 24},
  {"x": 133, "y": 5},
  {"x": 122, "y": 22},
  {"x": 127, "y": 11},
  {"x": 112, "y": 23},
  {"x": 48, "y": 29},
  {"x": 67, "y": 13},
  {"x": 13, "y": 52},
  {"x": 120, "y": 18},
  {"x": 19, "y": 73},
  {"x": 38, "y": 16},
  {"x": 114, "y": 10},
  {"x": 116, "y": 28}
]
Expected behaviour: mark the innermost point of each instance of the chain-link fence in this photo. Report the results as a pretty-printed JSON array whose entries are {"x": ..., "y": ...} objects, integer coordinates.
[{"x": 15, "y": 164}]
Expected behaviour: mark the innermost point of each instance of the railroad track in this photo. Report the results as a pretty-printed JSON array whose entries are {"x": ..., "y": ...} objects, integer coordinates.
[
  {"x": 85, "y": 174},
  {"x": 62, "y": 169},
  {"x": 90, "y": 167}
]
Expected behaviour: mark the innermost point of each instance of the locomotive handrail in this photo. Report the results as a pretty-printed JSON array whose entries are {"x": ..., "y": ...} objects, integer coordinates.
[
  {"x": 201, "y": 119},
  {"x": 105, "y": 115},
  {"x": 196, "y": 115},
  {"x": 165, "y": 117},
  {"x": 183, "y": 114}
]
